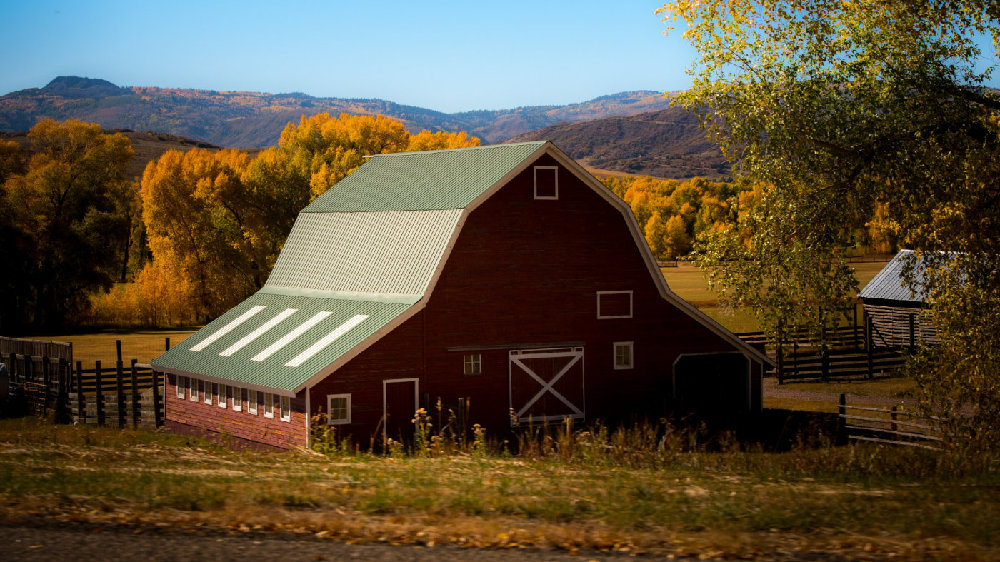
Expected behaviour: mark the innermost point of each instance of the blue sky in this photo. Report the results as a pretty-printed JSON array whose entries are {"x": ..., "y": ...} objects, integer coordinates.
[{"x": 448, "y": 56}]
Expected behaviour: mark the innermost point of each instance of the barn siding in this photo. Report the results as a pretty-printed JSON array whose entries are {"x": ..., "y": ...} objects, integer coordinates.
[
  {"x": 525, "y": 273},
  {"x": 244, "y": 425},
  {"x": 891, "y": 324}
]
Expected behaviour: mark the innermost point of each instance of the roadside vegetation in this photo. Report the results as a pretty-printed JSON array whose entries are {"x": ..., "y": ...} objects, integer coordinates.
[{"x": 573, "y": 491}]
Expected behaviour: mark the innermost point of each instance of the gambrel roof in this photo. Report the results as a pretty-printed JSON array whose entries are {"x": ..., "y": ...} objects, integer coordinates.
[{"x": 361, "y": 259}]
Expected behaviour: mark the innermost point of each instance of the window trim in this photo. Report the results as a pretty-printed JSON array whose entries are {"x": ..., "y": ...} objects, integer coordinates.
[
  {"x": 220, "y": 392},
  {"x": 330, "y": 420},
  {"x": 630, "y": 346},
  {"x": 285, "y": 404},
  {"x": 472, "y": 364},
  {"x": 252, "y": 401},
  {"x": 193, "y": 389},
  {"x": 631, "y": 304},
  {"x": 207, "y": 392},
  {"x": 237, "y": 399},
  {"x": 181, "y": 382},
  {"x": 555, "y": 180},
  {"x": 268, "y": 405}
]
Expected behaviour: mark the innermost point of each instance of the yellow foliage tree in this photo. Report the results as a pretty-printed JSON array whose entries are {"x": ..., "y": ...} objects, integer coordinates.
[{"x": 426, "y": 140}]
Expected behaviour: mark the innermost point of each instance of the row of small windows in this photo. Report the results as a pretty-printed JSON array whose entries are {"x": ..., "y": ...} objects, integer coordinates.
[{"x": 228, "y": 396}]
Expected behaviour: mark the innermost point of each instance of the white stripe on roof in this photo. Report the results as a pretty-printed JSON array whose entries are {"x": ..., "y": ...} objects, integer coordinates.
[
  {"x": 327, "y": 340},
  {"x": 287, "y": 338},
  {"x": 258, "y": 332},
  {"x": 227, "y": 328}
]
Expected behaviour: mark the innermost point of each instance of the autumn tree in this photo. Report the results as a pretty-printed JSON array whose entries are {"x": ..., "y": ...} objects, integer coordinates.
[
  {"x": 63, "y": 220},
  {"x": 852, "y": 112}
]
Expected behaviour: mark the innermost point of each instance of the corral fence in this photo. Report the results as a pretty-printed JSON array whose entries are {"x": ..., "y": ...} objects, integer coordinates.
[
  {"x": 895, "y": 425},
  {"x": 123, "y": 395},
  {"x": 849, "y": 352}
]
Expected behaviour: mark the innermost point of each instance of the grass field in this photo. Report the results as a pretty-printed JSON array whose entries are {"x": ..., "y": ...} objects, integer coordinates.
[
  {"x": 855, "y": 502},
  {"x": 100, "y": 346}
]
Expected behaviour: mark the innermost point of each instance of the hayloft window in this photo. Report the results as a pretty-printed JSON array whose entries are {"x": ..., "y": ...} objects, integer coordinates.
[
  {"x": 268, "y": 405},
  {"x": 339, "y": 406},
  {"x": 623, "y": 355},
  {"x": 286, "y": 408},
  {"x": 194, "y": 390},
  {"x": 546, "y": 182},
  {"x": 614, "y": 304},
  {"x": 252, "y": 402},
  {"x": 181, "y": 381},
  {"x": 237, "y": 399},
  {"x": 473, "y": 364}
]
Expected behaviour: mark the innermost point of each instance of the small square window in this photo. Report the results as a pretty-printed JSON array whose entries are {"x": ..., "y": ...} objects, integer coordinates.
[
  {"x": 252, "y": 402},
  {"x": 268, "y": 405},
  {"x": 614, "y": 304},
  {"x": 237, "y": 399},
  {"x": 286, "y": 408},
  {"x": 623, "y": 355},
  {"x": 546, "y": 182},
  {"x": 194, "y": 390},
  {"x": 181, "y": 381},
  {"x": 473, "y": 364},
  {"x": 339, "y": 406},
  {"x": 207, "y": 386}
]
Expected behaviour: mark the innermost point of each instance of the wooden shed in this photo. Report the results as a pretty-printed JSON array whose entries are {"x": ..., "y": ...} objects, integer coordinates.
[
  {"x": 502, "y": 278},
  {"x": 895, "y": 314}
]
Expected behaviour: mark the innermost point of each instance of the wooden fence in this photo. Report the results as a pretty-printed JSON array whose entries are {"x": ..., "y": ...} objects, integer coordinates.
[
  {"x": 894, "y": 426},
  {"x": 122, "y": 396}
]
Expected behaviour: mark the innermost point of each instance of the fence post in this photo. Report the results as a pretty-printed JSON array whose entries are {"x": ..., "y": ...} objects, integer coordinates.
[
  {"x": 156, "y": 401},
  {"x": 63, "y": 415},
  {"x": 118, "y": 349},
  {"x": 868, "y": 346},
  {"x": 135, "y": 396},
  {"x": 81, "y": 401},
  {"x": 780, "y": 360},
  {"x": 166, "y": 344},
  {"x": 795, "y": 356},
  {"x": 119, "y": 371},
  {"x": 100, "y": 394}
]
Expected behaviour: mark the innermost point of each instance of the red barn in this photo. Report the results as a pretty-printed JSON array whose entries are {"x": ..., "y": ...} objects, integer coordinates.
[{"x": 505, "y": 277}]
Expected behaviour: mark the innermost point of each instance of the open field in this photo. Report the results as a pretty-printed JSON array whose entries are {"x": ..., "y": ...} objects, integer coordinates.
[
  {"x": 856, "y": 502},
  {"x": 143, "y": 345}
]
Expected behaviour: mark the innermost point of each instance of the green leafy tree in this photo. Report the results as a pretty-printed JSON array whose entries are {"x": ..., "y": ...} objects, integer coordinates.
[{"x": 853, "y": 114}]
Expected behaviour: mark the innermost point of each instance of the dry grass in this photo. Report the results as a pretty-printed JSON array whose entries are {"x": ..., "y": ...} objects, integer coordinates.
[
  {"x": 143, "y": 345},
  {"x": 858, "y": 502}
]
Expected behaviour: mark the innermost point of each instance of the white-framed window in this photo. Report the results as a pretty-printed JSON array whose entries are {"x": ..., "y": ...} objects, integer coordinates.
[
  {"x": 546, "y": 182},
  {"x": 473, "y": 364},
  {"x": 181, "y": 381},
  {"x": 339, "y": 406},
  {"x": 286, "y": 408},
  {"x": 268, "y": 405},
  {"x": 193, "y": 386},
  {"x": 623, "y": 355},
  {"x": 220, "y": 391},
  {"x": 207, "y": 391},
  {"x": 237, "y": 399},
  {"x": 252, "y": 402},
  {"x": 614, "y": 304}
]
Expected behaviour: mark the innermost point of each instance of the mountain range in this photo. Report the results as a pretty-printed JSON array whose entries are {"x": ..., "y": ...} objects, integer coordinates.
[{"x": 634, "y": 132}]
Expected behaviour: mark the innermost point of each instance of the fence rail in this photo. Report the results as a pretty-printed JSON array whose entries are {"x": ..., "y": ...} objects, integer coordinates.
[{"x": 892, "y": 426}]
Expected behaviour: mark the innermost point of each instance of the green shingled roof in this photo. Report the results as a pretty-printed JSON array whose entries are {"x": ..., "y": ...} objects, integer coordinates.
[
  {"x": 357, "y": 258},
  {"x": 410, "y": 181}
]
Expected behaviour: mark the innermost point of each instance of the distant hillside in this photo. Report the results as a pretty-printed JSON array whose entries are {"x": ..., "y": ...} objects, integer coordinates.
[
  {"x": 666, "y": 143},
  {"x": 253, "y": 120}
]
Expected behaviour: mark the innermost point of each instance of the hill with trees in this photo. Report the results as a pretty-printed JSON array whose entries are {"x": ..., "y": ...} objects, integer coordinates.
[{"x": 254, "y": 120}]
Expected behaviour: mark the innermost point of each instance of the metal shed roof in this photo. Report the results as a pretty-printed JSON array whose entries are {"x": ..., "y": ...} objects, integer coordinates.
[{"x": 889, "y": 284}]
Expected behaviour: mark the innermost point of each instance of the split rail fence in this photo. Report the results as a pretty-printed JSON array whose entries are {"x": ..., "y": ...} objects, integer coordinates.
[
  {"x": 895, "y": 425},
  {"x": 125, "y": 395}
]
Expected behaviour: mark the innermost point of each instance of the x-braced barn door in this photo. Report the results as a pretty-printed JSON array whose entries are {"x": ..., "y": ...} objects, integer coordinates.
[{"x": 546, "y": 384}]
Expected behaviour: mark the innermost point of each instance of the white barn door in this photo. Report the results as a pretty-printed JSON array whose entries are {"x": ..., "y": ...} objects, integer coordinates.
[{"x": 546, "y": 384}]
